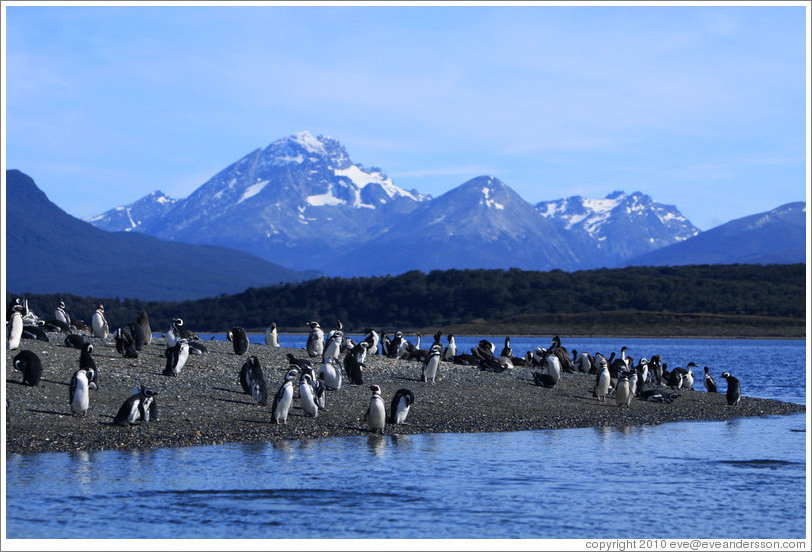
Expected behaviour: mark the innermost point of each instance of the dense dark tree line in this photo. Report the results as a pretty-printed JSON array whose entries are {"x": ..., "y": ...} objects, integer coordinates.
[{"x": 416, "y": 299}]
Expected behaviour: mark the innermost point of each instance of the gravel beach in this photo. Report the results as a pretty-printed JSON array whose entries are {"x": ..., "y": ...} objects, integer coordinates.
[{"x": 205, "y": 403}]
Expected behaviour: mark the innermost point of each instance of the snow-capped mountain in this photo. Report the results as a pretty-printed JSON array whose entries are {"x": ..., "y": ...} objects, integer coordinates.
[
  {"x": 777, "y": 236},
  {"x": 133, "y": 216},
  {"x": 620, "y": 225},
  {"x": 296, "y": 201},
  {"x": 480, "y": 224},
  {"x": 303, "y": 203}
]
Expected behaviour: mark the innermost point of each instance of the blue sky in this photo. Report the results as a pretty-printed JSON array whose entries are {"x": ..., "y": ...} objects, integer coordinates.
[{"x": 698, "y": 106}]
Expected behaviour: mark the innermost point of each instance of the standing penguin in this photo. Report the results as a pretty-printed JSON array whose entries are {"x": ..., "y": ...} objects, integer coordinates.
[
  {"x": 30, "y": 365},
  {"x": 283, "y": 399},
  {"x": 330, "y": 373},
  {"x": 176, "y": 357},
  {"x": 333, "y": 347},
  {"x": 143, "y": 321},
  {"x": 271, "y": 336},
  {"x": 99, "y": 323},
  {"x": 401, "y": 402},
  {"x": 61, "y": 313},
  {"x": 623, "y": 393},
  {"x": 375, "y": 416},
  {"x": 373, "y": 339},
  {"x": 307, "y": 396},
  {"x": 139, "y": 407},
  {"x": 602, "y": 380},
  {"x": 87, "y": 363},
  {"x": 78, "y": 393},
  {"x": 125, "y": 343},
  {"x": 239, "y": 339},
  {"x": 15, "y": 328},
  {"x": 258, "y": 386},
  {"x": 315, "y": 341},
  {"x": 734, "y": 390},
  {"x": 354, "y": 363},
  {"x": 450, "y": 350},
  {"x": 709, "y": 382},
  {"x": 431, "y": 364}
]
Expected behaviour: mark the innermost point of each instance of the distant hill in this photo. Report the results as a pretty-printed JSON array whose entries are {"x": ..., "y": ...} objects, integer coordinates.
[
  {"x": 49, "y": 251},
  {"x": 773, "y": 237}
]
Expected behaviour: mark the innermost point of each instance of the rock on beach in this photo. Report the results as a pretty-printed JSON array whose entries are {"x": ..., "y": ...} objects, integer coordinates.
[{"x": 205, "y": 404}]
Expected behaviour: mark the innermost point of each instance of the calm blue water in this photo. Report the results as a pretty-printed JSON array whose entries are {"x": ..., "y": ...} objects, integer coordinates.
[{"x": 745, "y": 478}]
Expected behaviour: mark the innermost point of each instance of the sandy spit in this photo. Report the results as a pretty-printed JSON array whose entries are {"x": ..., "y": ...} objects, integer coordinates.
[{"x": 206, "y": 405}]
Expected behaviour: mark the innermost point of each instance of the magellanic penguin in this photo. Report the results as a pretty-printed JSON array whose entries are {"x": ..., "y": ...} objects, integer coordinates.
[
  {"x": 15, "y": 328},
  {"x": 143, "y": 321},
  {"x": 734, "y": 391},
  {"x": 271, "y": 336},
  {"x": 709, "y": 382},
  {"x": 61, "y": 313},
  {"x": 74, "y": 341},
  {"x": 450, "y": 350},
  {"x": 431, "y": 364},
  {"x": 333, "y": 347},
  {"x": 87, "y": 363},
  {"x": 176, "y": 357},
  {"x": 99, "y": 323},
  {"x": 79, "y": 393},
  {"x": 401, "y": 402},
  {"x": 259, "y": 388},
  {"x": 239, "y": 339},
  {"x": 139, "y": 407},
  {"x": 373, "y": 339},
  {"x": 30, "y": 365},
  {"x": 283, "y": 399},
  {"x": 602, "y": 380},
  {"x": 623, "y": 393},
  {"x": 330, "y": 373},
  {"x": 354, "y": 363},
  {"x": 125, "y": 343},
  {"x": 375, "y": 416},
  {"x": 315, "y": 340},
  {"x": 308, "y": 396}
]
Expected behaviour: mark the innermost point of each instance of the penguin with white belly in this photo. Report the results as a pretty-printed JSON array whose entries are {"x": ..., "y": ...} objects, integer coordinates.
[
  {"x": 140, "y": 407},
  {"x": 283, "y": 399},
  {"x": 176, "y": 358},
  {"x": 401, "y": 402},
  {"x": 79, "y": 393},
  {"x": 375, "y": 416}
]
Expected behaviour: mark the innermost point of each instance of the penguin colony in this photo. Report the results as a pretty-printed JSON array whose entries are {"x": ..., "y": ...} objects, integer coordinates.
[{"x": 321, "y": 369}]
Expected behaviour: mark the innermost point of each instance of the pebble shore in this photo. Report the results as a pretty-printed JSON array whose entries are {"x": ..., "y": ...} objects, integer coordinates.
[{"x": 205, "y": 403}]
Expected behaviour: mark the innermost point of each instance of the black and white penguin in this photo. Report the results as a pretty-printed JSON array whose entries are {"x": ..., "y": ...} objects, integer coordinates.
[
  {"x": 197, "y": 348},
  {"x": 431, "y": 364},
  {"x": 307, "y": 396},
  {"x": 551, "y": 373},
  {"x": 35, "y": 331},
  {"x": 137, "y": 333},
  {"x": 176, "y": 357},
  {"x": 401, "y": 402},
  {"x": 176, "y": 331},
  {"x": 15, "y": 328},
  {"x": 315, "y": 340},
  {"x": 355, "y": 362},
  {"x": 99, "y": 323},
  {"x": 271, "y": 336},
  {"x": 79, "y": 393},
  {"x": 397, "y": 347},
  {"x": 385, "y": 343},
  {"x": 61, "y": 313},
  {"x": 245, "y": 376},
  {"x": 372, "y": 337},
  {"x": 283, "y": 399},
  {"x": 708, "y": 381},
  {"x": 734, "y": 390},
  {"x": 674, "y": 378},
  {"x": 259, "y": 388},
  {"x": 239, "y": 339},
  {"x": 74, "y": 341},
  {"x": 125, "y": 343},
  {"x": 30, "y": 365},
  {"x": 656, "y": 369},
  {"x": 87, "y": 363},
  {"x": 688, "y": 377},
  {"x": 330, "y": 373},
  {"x": 623, "y": 392},
  {"x": 450, "y": 350},
  {"x": 319, "y": 393},
  {"x": 332, "y": 348},
  {"x": 375, "y": 416},
  {"x": 657, "y": 395},
  {"x": 633, "y": 377},
  {"x": 143, "y": 321},
  {"x": 56, "y": 326},
  {"x": 602, "y": 380},
  {"x": 302, "y": 364},
  {"x": 139, "y": 407}
]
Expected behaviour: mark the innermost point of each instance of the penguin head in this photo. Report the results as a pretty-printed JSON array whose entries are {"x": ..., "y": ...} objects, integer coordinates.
[
  {"x": 87, "y": 348},
  {"x": 376, "y": 389},
  {"x": 177, "y": 322},
  {"x": 291, "y": 375},
  {"x": 725, "y": 375},
  {"x": 62, "y": 304}
]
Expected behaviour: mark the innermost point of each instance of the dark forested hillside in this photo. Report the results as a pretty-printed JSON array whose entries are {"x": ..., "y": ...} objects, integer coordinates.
[{"x": 443, "y": 298}]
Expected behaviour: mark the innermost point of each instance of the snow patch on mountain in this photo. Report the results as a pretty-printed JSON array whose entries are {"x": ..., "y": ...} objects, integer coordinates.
[{"x": 253, "y": 190}]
